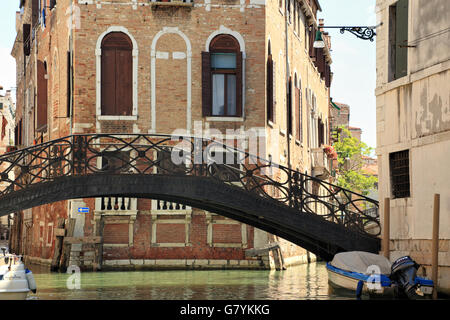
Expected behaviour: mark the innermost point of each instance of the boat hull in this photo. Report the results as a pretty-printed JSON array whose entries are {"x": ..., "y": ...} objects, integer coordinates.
[
  {"x": 13, "y": 295},
  {"x": 345, "y": 282}
]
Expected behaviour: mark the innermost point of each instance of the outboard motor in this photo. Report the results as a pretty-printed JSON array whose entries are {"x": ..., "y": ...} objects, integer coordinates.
[{"x": 403, "y": 272}]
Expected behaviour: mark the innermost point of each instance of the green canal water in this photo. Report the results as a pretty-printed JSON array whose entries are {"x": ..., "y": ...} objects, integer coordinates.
[{"x": 302, "y": 282}]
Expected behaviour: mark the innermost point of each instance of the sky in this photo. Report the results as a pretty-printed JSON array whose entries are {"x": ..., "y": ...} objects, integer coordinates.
[
  {"x": 353, "y": 59},
  {"x": 354, "y": 63},
  {"x": 7, "y": 36}
]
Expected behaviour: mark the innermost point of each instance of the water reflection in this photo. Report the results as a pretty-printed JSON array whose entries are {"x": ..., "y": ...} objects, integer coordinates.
[{"x": 307, "y": 281}]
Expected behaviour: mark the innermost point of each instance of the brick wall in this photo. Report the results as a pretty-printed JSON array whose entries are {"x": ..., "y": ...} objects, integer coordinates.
[
  {"x": 168, "y": 96},
  {"x": 115, "y": 233}
]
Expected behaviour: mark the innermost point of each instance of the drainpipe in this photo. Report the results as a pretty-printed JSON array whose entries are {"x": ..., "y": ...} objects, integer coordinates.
[
  {"x": 287, "y": 2},
  {"x": 71, "y": 75}
]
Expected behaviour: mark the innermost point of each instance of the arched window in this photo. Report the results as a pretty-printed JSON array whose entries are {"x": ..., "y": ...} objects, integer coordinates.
[
  {"x": 117, "y": 75},
  {"x": 222, "y": 78}
]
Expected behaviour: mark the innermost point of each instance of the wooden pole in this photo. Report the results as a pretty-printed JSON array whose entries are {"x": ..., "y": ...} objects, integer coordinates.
[
  {"x": 386, "y": 227},
  {"x": 59, "y": 238},
  {"x": 435, "y": 244}
]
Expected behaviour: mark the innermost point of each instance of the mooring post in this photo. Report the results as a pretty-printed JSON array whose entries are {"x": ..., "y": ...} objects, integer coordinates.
[
  {"x": 435, "y": 245},
  {"x": 386, "y": 227}
]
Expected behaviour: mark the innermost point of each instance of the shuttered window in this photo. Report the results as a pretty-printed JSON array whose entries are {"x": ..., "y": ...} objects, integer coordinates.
[
  {"x": 117, "y": 75},
  {"x": 41, "y": 116},
  {"x": 269, "y": 89},
  {"x": 312, "y": 37},
  {"x": 298, "y": 111},
  {"x": 26, "y": 39},
  {"x": 289, "y": 107},
  {"x": 222, "y": 78},
  {"x": 320, "y": 61},
  {"x": 69, "y": 83},
  {"x": 398, "y": 40}
]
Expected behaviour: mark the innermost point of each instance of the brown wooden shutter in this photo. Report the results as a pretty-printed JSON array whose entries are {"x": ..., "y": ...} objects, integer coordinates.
[
  {"x": 20, "y": 132},
  {"x": 26, "y": 39},
  {"x": 274, "y": 92},
  {"x": 320, "y": 61},
  {"x": 269, "y": 88},
  {"x": 289, "y": 107},
  {"x": 206, "y": 84},
  {"x": 41, "y": 117},
  {"x": 69, "y": 79},
  {"x": 124, "y": 82},
  {"x": 300, "y": 111},
  {"x": 16, "y": 135},
  {"x": 327, "y": 76},
  {"x": 34, "y": 12},
  {"x": 117, "y": 75},
  {"x": 108, "y": 82},
  {"x": 297, "y": 113},
  {"x": 312, "y": 37},
  {"x": 239, "y": 84}
]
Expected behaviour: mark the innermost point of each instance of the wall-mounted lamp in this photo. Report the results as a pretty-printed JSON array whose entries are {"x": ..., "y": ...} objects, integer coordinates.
[{"x": 365, "y": 33}]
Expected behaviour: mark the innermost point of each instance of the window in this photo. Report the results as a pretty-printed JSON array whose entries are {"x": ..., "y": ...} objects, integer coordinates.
[
  {"x": 311, "y": 36},
  {"x": 398, "y": 40},
  {"x": 298, "y": 104},
  {"x": 69, "y": 84},
  {"x": 288, "y": 7},
  {"x": 117, "y": 74},
  {"x": 222, "y": 78},
  {"x": 399, "y": 169},
  {"x": 226, "y": 165},
  {"x": 320, "y": 132},
  {"x": 41, "y": 113},
  {"x": 165, "y": 164},
  {"x": 26, "y": 39},
  {"x": 270, "y": 87},
  {"x": 115, "y": 161},
  {"x": 289, "y": 107}
]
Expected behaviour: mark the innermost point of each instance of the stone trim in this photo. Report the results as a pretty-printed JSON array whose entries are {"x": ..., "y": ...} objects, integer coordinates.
[{"x": 98, "y": 57}]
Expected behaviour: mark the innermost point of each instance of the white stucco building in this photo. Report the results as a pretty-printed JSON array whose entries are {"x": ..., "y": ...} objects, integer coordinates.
[{"x": 413, "y": 126}]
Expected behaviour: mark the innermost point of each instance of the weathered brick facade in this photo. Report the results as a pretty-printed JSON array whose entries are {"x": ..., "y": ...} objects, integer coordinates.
[{"x": 167, "y": 40}]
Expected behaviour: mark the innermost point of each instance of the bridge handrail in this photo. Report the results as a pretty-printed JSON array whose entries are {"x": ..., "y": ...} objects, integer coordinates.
[{"x": 294, "y": 188}]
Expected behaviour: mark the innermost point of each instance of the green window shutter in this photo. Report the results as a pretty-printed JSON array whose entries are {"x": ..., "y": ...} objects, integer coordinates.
[{"x": 401, "y": 41}]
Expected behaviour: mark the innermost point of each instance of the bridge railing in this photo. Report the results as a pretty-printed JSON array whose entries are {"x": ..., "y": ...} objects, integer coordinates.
[{"x": 87, "y": 154}]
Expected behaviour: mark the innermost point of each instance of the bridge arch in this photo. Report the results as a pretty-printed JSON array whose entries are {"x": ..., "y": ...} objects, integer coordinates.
[{"x": 309, "y": 231}]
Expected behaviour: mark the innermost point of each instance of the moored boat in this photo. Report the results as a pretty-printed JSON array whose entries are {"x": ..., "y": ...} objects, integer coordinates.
[
  {"x": 373, "y": 274},
  {"x": 16, "y": 281}
]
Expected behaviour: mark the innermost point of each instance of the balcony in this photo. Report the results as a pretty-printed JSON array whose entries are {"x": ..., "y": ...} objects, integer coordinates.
[
  {"x": 320, "y": 163},
  {"x": 116, "y": 206},
  {"x": 167, "y": 208}
]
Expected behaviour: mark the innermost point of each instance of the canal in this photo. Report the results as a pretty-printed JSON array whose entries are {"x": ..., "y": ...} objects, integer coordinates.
[{"x": 303, "y": 282}]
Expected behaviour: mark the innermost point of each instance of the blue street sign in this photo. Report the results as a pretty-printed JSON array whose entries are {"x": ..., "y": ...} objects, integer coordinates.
[{"x": 83, "y": 210}]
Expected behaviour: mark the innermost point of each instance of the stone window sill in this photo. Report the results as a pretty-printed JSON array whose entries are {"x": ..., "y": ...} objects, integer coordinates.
[{"x": 129, "y": 118}]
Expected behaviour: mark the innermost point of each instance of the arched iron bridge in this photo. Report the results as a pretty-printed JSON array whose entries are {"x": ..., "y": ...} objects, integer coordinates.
[{"x": 321, "y": 217}]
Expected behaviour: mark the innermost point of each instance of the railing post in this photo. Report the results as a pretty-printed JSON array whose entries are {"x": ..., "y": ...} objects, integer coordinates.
[
  {"x": 386, "y": 227},
  {"x": 435, "y": 244}
]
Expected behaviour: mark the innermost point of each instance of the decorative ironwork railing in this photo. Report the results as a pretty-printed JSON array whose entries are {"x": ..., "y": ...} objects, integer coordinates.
[{"x": 87, "y": 154}]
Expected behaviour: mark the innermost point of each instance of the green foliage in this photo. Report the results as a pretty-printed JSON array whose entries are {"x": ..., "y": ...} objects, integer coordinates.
[{"x": 350, "y": 163}]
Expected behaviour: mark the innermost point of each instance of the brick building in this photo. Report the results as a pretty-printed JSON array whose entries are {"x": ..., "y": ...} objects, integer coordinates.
[
  {"x": 140, "y": 66},
  {"x": 7, "y": 125}
]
